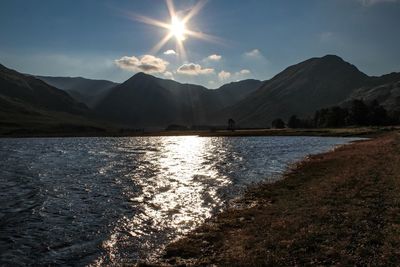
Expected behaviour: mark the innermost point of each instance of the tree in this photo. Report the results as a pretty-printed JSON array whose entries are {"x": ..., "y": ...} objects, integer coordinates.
[
  {"x": 320, "y": 118},
  {"x": 377, "y": 114},
  {"x": 231, "y": 124},
  {"x": 358, "y": 113},
  {"x": 336, "y": 117},
  {"x": 331, "y": 117},
  {"x": 294, "y": 122},
  {"x": 278, "y": 124}
]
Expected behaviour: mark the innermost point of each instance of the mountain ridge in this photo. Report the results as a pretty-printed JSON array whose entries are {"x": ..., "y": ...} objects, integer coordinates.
[
  {"x": 167, "y": 101},
  {"x": 146, "y": 101},
  {"x": 300, "y": 89},
  {"x": 87, "y": 91}
]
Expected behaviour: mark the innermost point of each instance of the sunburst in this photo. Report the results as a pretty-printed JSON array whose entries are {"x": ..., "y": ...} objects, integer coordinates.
[{"x": 177, "y": 28}]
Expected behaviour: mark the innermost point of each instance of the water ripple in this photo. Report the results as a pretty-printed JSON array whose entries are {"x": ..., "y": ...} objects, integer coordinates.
[{"x": 102, "y": 201}]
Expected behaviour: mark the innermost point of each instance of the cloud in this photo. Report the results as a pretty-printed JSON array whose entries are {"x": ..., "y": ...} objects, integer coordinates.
[
  {"x": 373, "y": 2},
  {"x": 253, "y": 53},
  {"x": 224, "y": 75},
  {"x": 214, "y": 57},
  {"x": 194, "y": 69},
  {"x": 168, "y": 75},
  {"x": 244, "y": 72},
  {"x": 147, "y": 63},
  {"x": 170, "y": 52}
]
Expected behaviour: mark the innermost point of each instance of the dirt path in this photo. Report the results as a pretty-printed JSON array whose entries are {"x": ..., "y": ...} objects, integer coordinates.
[{"x": 342, "y": 207}]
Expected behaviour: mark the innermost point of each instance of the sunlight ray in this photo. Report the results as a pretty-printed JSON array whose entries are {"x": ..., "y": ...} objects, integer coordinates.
[
  {"x": 160, "y": 45},
  {"x": 181, "y": 50},
  {"x": 196, "y": 9},
  {"x": 171, "y": 8},
  {"x": 204, "y": 36},
  {"x": 177, "y": 27},
  {"x": 150, "y": 21}
]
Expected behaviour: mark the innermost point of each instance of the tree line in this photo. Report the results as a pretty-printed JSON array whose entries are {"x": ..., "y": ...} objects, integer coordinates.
[{"x": 357, "y": 113}]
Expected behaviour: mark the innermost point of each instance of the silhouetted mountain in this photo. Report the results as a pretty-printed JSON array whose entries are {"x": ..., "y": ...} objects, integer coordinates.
[
  {"x": 147, "y": 101},
  {"x": 300, "y": 89},
  {"x": 233, "y": 92},
  {"x": 36, "y": 93},
  {"x": 29, "y": 105},
  {"x": 384, "y": 89},
  {"x": 144, "y": 101},
  {"x": 87, "y": 91}
]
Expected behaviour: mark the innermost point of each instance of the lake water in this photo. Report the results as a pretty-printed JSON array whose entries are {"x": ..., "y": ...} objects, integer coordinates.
[{"x": 100, "y": 201}]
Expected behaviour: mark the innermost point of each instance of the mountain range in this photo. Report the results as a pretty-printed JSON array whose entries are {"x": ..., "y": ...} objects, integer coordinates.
[
  {"x": 29, "y": 106},
  {"x": 88, "y": 91},
  {"x": 300, "y": 89},
  {"x": 145, "y": 101}
]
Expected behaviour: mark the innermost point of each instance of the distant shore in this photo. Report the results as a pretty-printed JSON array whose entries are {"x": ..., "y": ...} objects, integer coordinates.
[
  {"x": 336, "y": 208},
  {"x": 339, "y": 132}
]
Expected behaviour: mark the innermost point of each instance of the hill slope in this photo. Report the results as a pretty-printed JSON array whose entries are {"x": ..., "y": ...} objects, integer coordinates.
[
  {"x": 29, "y": 106},
  {"x": 36, "y": 92},
  {"x": 300, "y": 89},
  {"x": 384, "y": 89},
  {"x": 87, "y": 91},
  {"x": 147, "y": 101}
]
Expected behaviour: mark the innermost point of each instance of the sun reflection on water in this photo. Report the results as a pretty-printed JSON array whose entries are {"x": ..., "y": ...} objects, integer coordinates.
[
  {"x": 177, "y": 197},
  {"x": 183, "y": 198}
]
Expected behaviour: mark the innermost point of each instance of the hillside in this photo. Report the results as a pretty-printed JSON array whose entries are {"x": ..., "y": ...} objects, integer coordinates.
[
  {"x": 30, "y": 106},
  {"x": 300, "y": 89},
  {"x": 87, "y": 91},
  {"x": 384, "y": 89},
  {"x": 147, "y": 101}
]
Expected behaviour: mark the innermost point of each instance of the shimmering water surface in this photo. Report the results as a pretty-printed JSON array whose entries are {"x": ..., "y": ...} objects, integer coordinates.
[{"x": 100, "y": 201}]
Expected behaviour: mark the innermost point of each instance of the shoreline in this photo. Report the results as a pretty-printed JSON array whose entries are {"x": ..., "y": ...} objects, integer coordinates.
[
  {"x": 339, "y": 207},
  {"x": 329, "y": 132}
]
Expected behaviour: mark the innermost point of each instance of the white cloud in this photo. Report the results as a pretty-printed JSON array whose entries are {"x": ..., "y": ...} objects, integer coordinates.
[
  {"x": 224, "y": 75},
  {"x": 170, "y": 52},
  {"x": 244, "y": 72},
  {"x": 253, "y": 53},
  {"x": 194, "y": 69},
  {"x": 214, "y": 57},
  {"x": 373, "y": 2},
  {"x": 147, "y": 63},
  {"x": 168, "y": 75}
]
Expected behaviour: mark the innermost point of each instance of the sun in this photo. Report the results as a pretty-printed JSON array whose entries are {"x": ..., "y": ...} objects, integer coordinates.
[{"x": 177, "y": 28}]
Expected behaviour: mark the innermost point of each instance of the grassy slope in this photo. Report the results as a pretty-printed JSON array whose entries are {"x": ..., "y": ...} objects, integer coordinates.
[
  {"x": 340, "y": 207},
  {"x": 17, "y": 118}
]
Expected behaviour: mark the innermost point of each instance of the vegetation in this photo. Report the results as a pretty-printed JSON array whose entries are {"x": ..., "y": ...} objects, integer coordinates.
[
  {"x": 231, "y": 125},
  {"x": 278, "y": 124},
  {"x": 357, "y": 113}
]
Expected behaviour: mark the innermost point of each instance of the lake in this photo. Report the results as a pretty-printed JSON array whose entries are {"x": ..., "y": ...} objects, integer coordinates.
[{"x": 100, "y": 201}]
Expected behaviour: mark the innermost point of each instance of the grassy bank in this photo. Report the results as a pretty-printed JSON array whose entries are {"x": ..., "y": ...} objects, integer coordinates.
[{"x": 341, "y": 207}]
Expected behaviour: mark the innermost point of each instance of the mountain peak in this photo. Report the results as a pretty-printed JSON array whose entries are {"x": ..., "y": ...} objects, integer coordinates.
[
  {"x": 332, "y": 57},
  {"x": 142, "y": 75}
]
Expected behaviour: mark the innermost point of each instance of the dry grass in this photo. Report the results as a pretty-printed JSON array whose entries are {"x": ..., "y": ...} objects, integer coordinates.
[{"x": 338, "y": 208}]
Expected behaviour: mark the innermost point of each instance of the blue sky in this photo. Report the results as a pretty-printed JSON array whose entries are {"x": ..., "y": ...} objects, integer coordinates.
[{"x": 102, "y": 39}]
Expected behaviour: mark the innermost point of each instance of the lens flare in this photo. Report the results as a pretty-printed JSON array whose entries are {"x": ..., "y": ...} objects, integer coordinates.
[{"x": 177, "y": 28}]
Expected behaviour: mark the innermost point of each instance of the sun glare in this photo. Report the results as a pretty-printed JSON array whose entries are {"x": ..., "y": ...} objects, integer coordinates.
[{"x": 177, "y": 28}]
